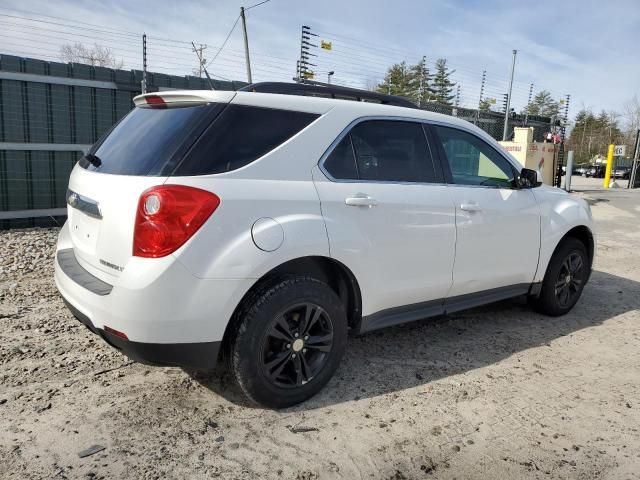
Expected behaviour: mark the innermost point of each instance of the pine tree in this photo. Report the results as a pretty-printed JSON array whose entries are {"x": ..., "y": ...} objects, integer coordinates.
[
  {"x": 420, "y": 82},
  {"x": 543, "y": 104},
  {"x": 397, "y": 81},
  {"x": 442, "y": 85}
]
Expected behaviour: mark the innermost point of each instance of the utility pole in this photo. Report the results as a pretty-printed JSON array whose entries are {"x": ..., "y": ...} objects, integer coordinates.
[
  {"x": 201, "y": 61},
  {"x": 506, "y": 114},
  {"x": 458, "y": 96},
  {"x": 144, "y": 63},
  {"x": 246, "y": 45}
]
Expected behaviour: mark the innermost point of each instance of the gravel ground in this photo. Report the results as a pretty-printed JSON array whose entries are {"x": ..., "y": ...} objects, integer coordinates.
[{"x": 495, "y": 392}]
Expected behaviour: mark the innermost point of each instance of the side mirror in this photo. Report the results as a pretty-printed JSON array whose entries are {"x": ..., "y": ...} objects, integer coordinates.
[{"x": 529, "y": 178}]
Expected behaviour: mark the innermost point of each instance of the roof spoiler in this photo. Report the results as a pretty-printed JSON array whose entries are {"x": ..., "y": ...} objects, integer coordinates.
[{"x": 181, "y": 97}]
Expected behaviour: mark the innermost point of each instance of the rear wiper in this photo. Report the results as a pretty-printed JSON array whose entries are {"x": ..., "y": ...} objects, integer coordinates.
[{"x": 93, "y": 159}]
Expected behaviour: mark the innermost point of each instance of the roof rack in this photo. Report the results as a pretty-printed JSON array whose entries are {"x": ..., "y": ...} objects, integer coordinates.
[{"x": 326, "y": 90}]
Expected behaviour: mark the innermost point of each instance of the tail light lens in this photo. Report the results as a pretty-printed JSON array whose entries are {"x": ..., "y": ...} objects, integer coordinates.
[{"x": 168, "y": 216}]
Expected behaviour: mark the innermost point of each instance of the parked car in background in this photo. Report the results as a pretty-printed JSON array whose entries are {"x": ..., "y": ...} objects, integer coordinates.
[
  {"x": 580, "y": 170},
  {"x": 621, "y": 172},
  {"x": 265, "y": 224},
  {"x": 596, "y": 171}
]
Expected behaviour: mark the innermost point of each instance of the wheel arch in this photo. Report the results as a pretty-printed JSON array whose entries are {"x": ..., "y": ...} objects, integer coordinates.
[
  {"x": 584, "y": 235},
  {"x": 580, "y": 232},
  {"x": 328, "y": 270}
]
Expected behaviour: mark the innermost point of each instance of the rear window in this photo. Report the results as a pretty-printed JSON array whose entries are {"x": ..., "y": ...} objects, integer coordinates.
[
  {"x": 150, "y": 141},
  {"x": 240, "y": 135}
]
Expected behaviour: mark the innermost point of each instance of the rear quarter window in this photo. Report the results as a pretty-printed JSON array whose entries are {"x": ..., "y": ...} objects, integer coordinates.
[{"x": 240, "y": 135}]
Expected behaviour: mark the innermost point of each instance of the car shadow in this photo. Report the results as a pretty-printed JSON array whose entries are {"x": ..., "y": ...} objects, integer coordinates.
[{"x": 415, "y": 354}]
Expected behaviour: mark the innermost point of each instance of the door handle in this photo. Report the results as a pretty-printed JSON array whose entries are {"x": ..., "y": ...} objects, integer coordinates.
[
  {"x": 470, "y": 207},
  {"x": 361, "y": 200}
]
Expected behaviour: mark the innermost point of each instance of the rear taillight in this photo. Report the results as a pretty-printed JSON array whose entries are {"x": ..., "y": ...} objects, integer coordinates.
[{"x": 168, "y": 216}]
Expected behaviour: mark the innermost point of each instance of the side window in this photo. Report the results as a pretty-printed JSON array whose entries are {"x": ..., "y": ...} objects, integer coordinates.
[
  {"x": 240, "y": 135},
  {"x": 392, "y": 151},
  {"x": 472, "y": 161},
  {"x": 341, "y": 163}
]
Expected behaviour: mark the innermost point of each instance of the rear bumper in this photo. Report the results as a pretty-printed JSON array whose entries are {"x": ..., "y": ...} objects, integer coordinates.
[
  {"x": 169, "y": 316},
  {"x": 196, "y": 356}
]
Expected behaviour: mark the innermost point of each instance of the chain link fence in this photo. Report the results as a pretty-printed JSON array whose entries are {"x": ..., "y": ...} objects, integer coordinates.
[{"x": 493, "y": 122}]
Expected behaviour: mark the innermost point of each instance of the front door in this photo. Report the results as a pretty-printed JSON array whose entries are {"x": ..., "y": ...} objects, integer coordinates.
[{"x": 497, "y": 224}]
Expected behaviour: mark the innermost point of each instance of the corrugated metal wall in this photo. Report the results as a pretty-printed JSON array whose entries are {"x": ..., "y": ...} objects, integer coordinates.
[{"x": 41, "y": 110}]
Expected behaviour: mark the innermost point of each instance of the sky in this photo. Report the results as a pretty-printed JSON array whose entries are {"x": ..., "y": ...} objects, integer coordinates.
[{"x": 587, "y": 49}]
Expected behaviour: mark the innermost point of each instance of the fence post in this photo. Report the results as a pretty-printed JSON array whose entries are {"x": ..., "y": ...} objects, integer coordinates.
[
  {"x": 568, "y": 173},
  {"x": 144, "y": 63}
]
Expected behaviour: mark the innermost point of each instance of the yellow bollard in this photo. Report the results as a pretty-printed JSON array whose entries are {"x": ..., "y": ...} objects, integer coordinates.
[{"x": 607, "y": 173}]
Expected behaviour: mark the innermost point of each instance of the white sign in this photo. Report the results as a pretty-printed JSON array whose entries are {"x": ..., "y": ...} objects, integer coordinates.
[{"x": 619, "y": 150}]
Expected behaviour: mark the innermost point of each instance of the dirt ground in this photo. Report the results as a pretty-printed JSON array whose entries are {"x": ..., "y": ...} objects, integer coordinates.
[{"x": 495, "y": 392}]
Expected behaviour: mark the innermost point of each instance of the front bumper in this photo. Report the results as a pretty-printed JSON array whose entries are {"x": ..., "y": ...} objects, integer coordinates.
[{"x": 195, "y": 356}]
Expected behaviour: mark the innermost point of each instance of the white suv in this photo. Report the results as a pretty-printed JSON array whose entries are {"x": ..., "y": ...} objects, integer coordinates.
[{"x": 262, "y": 227}]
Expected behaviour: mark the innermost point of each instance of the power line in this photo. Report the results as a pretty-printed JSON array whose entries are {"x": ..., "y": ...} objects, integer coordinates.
[
  {"x": 225, "y": 41},
  {"x": 67, "y": 25},
  {"x": 356, "y": 62},
  {"x": 64, "y": 19},
  {"x": 256, "y": 5}
]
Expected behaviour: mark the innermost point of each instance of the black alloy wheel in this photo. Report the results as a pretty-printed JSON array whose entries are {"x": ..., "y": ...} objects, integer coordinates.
[
  {"x": 569, "y": 282},
  {"x": 564, "y": 280},
  {"x": 287, "y": 340},
  {"x": 297, "y": 345}
]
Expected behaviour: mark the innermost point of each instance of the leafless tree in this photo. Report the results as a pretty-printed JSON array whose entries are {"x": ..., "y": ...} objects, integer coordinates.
[
  {"x": 95, "y": 55},
  {"x": 631, "y": 114},
  {"x": 372, "y": 84}
]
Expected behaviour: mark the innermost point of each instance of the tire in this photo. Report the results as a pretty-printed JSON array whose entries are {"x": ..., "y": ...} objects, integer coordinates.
[
  {"x": 566, "y": 276},
  {"x": 276, "y": 361}
]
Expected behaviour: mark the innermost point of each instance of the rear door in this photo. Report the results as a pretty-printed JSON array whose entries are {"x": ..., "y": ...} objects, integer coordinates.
[
  {"x": 105, "y": 186},
  {"x": 389, "y": 217},
  {"x": 498, "y": 225}
]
